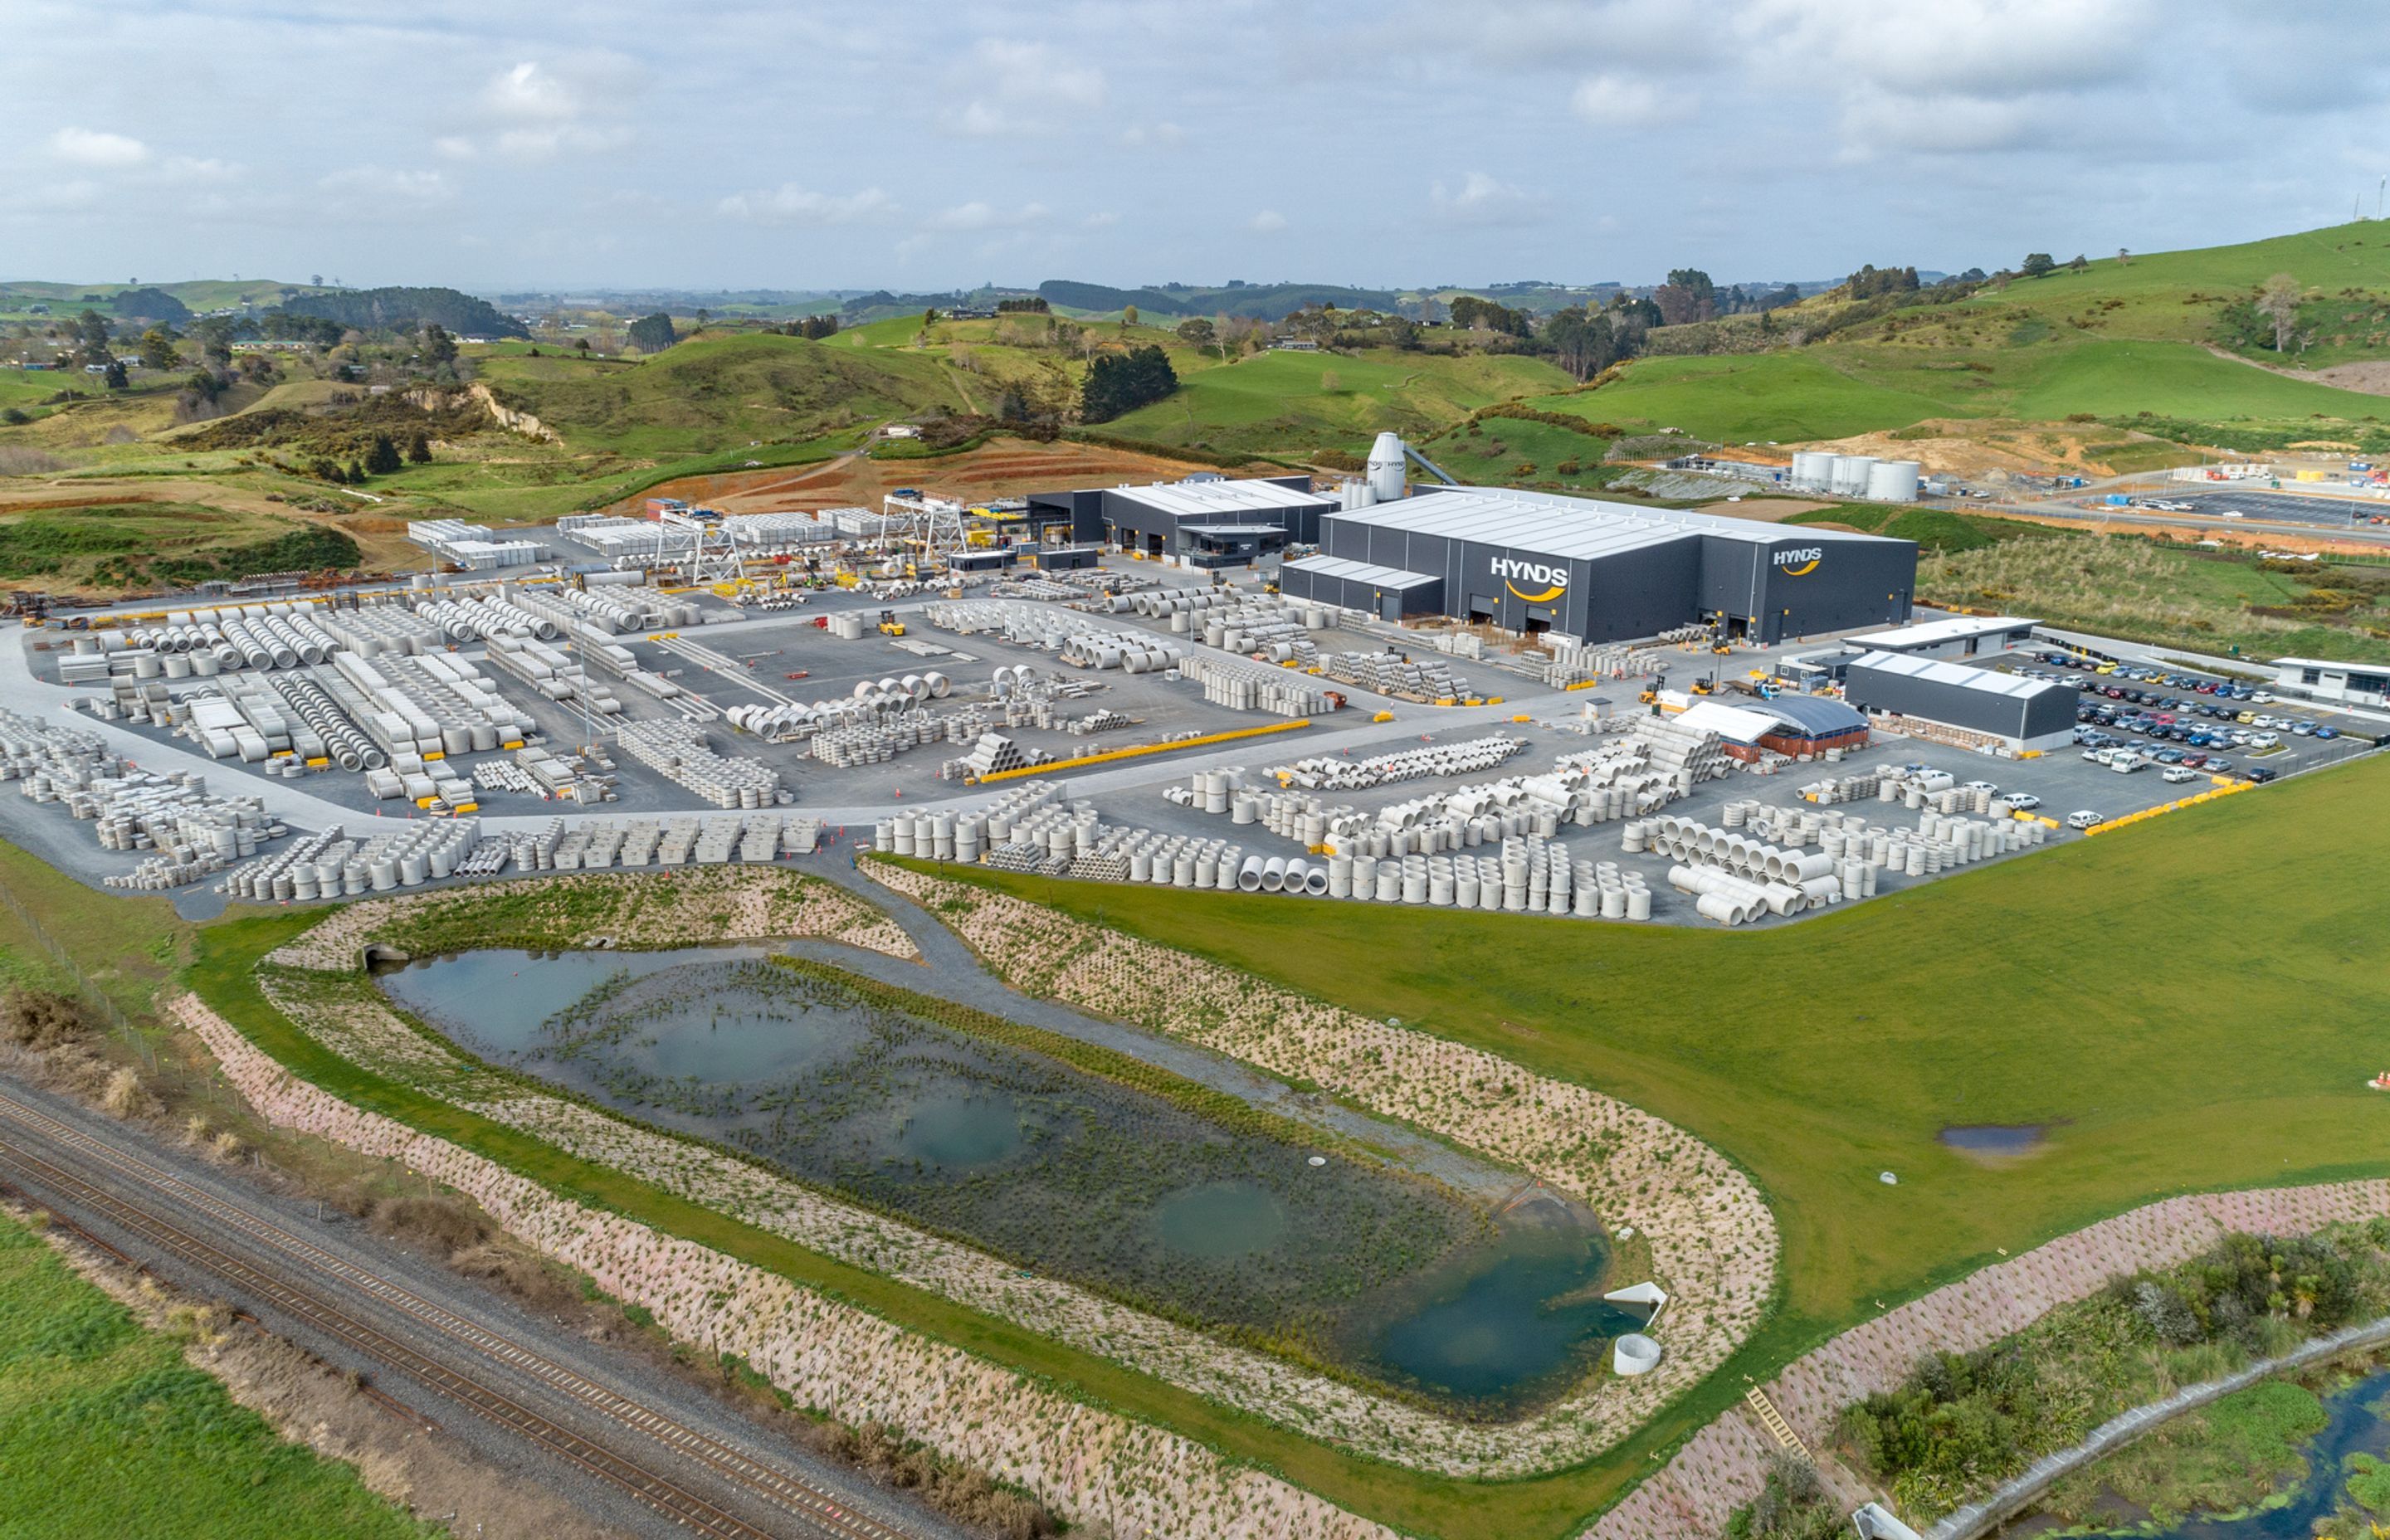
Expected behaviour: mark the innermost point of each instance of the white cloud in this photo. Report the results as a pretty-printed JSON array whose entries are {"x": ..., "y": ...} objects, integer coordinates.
[
  {"x": 527, "y": 92},
  {"x": 1979, "y": 47},
  {"x": 1483, "y": 201},
  {"x": 979, "y": 215},
  {"x": 1269, "y": 221},
  {"x": 1161, "y": 136},
  {"x": 532, "y": 112},
  {"x": 791, "y": 204},
  {"x": 188, "y": 168},
  {"x": 1621, "y": 101},
  {"x": 96, "y": 148},
  {"x": 375, "y": 186},
  {"x": 1102, "y": 221},
  {"x": 1021, "y": 88}
]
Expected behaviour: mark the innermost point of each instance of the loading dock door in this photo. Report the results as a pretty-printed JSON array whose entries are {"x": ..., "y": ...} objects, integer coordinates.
[{"x": 1481, "y": 610}]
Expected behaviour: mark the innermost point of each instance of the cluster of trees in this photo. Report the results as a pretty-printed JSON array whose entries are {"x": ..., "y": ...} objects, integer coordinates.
[
  {"x": 2038, "y": 264},
  {"x": 653, "y": 334},
  {"x": 1033, "y": 305},
  {"x": 1872, "y": 281},
  {"x": 404, "y": 309},
  {"x": 1472, "y": 314},
  {"x": 1119, "y": 383}
]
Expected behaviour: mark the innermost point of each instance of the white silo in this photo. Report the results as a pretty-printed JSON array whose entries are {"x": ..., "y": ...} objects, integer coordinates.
[
  {"x": 1892, "y": 481},
  {"x": 1386, "y": 467},
  {"x": 1812, "y": 470},
  {"x": 1850, "y": 475}
]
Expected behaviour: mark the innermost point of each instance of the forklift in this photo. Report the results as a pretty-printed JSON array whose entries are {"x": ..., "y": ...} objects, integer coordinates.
[{"x": 890, "y": 625}]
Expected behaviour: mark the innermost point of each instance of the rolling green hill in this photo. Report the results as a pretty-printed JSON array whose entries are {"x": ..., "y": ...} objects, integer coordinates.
[
  {"x": 719, "y": 393},
  {"x": 1839, "y": 389},
  {"x": 2119, "y": 338},
  {"x": 1293, "y": 402}
]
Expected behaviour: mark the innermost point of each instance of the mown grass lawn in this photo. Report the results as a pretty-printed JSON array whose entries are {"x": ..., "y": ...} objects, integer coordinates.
[
  {"x": 105, "y": 1431},
  {"x": 2193, "y": 1003}
]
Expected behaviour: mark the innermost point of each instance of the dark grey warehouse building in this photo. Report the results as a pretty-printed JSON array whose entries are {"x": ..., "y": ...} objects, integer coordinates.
[
  {"x": 1599, "y": 572},
  {"x": 2022, "y": 712},
  {"x": 1202, "y": 523}
]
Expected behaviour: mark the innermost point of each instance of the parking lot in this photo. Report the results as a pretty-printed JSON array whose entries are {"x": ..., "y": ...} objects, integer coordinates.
[
  {"x": 2265, "y": 504},
  {"x": 2181, "y": 728}
]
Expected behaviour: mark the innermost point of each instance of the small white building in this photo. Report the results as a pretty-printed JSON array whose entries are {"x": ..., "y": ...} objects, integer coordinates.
[
  {"x": 2352, "y": 684},
  {"x": 1953, "y": 637}
]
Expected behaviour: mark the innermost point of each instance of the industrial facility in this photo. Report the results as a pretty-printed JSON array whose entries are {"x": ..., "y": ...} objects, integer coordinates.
[
  {"x": 1971, "y": 707},
  {"x": 1202, "y": 523},
  {"x": 1599, "y": 572},
  {"x": 1854, "y": 476}
]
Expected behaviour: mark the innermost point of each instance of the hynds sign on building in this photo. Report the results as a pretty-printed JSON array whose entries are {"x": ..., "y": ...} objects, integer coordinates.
[
  {"x": 1800, "y": 560},
  {"x": 1544, "y": 582}
]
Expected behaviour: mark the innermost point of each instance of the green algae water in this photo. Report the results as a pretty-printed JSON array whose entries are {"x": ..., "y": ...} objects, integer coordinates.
[{"x": 1396, "y": 1278}]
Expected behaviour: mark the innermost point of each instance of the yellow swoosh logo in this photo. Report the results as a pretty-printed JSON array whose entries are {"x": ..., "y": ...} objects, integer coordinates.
[
  {"x": 1804, "y": 569},
  {"x": 1545, "y": 598}
]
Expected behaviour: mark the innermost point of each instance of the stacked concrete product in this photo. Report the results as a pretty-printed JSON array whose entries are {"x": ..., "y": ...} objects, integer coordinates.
[
  {"x": 1390, "y": 673},
  {"x": 1436, "y": 759},
  {"x": 335, "y": 732},
  {"x": 195, "y": 830},
  {"x": 376, "y": 629},
  {"x": 329, "y": 865},
  {"x": 679, "y": 752},
  {"x": 1688, "y": 754},
  {"x": 1749, "y": 877},
  {"x": 1576, "y": 664},
  {"x": 427, "y": 706},
  {"x": 1247, "y": 690}
]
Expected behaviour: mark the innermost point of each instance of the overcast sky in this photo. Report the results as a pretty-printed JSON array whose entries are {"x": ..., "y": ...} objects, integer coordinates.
[{"x": 496, "y": 144}]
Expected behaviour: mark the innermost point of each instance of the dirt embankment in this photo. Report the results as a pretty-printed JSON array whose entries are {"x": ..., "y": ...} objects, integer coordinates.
[
  {"x": 1992, "y": 447},
  {"x": 1007, "y": 468}
]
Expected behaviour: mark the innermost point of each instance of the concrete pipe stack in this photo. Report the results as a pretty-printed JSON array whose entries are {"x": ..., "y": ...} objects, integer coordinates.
[{"x": 679, "y": 752}]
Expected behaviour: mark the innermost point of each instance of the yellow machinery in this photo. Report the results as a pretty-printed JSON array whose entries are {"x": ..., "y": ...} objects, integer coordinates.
[{"x": 890, "y": 625}]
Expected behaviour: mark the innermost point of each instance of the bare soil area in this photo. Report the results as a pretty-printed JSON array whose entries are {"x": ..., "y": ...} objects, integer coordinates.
[{"x": 1007, "y": 468}]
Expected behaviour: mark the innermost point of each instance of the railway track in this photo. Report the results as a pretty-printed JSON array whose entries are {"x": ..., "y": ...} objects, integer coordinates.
[{"x": 823, "y": 1515}]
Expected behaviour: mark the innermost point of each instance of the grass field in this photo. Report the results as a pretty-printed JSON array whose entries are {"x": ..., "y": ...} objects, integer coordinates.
[
  {"x": 1838, "y": 390},
  {"x": 112, "y": 544},
  {"x": 105, "y": 1431},
  {"x": 1282, "y": 403},
  {"x": 714, "y": 394},
  {"x": 2184, "y": 1005}
]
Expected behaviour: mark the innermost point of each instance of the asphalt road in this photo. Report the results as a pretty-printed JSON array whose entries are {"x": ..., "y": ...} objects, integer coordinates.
[{"x": 74, "y": 1162}]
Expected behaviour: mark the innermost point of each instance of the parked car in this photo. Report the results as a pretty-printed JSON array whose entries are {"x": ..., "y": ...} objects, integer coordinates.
[
  {"x": 2084, "y": 818},
  {"x": 2193, "y": 762},
  {"x": 2326, "y": 732},
  {"x": 2019, "y": 802},
  {"x": 2266, "y": 740},
  {"x": 2177, "y": 776},
  {"x": 2258, "y": 775}
]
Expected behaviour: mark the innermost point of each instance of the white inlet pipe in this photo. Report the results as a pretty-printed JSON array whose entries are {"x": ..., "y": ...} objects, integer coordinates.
[{"x": 1248, "y": 876}]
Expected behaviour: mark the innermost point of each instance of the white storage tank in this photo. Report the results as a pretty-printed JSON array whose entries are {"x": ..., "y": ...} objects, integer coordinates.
[
  {"x": 1892, "y": 481},
  {"x": 1850, "y": 475},
  {"x": 1812, "y": 470}
]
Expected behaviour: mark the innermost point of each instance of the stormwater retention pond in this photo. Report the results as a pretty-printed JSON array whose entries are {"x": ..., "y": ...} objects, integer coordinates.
[{"x": 1169, "y": 1195}]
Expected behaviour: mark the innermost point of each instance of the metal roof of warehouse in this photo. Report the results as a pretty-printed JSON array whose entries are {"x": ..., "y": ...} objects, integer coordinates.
[
  {"x": 1197, "y": 499},
  {"x": 1359, "y": 571},
  {"x": 1955, "y": 628},
  {"x": 1565, "y": 527},
  {"x": 1936, "y": 671},
  {"x": 1816, "y": 715}
]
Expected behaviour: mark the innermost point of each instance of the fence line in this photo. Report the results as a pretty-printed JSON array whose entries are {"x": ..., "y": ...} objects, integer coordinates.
[{"x": 85, "y": 984}]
